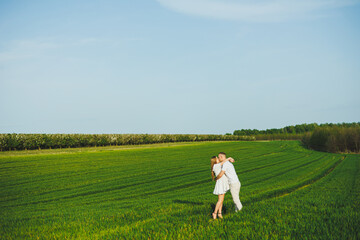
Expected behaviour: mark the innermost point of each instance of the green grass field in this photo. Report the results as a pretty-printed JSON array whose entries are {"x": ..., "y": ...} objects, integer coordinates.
[{"x": 164, "y": 191}]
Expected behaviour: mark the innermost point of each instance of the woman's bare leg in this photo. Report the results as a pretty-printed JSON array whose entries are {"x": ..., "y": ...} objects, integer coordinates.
[
  {"x": 221, "y": 206},
  {"x": 218, "y": 205}
]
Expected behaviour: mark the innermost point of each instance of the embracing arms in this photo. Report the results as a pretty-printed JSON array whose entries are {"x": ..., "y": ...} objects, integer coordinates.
[
  {"x": 223, "y": 172},
  {"x": 220, "y": 175},
  {"x": 228, "y": 159}
]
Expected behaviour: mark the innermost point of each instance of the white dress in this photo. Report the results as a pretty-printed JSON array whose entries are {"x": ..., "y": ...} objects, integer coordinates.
[{"x": 222, "y": 184}]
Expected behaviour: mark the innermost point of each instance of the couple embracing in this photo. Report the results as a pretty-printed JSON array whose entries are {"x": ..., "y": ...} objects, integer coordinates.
[{"x": 223, "y": 171}]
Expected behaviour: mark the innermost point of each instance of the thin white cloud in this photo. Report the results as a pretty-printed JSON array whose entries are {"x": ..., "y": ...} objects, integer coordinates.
[
  {"x": 26, "y": 49},
  {"x": 253, "y": 10}
]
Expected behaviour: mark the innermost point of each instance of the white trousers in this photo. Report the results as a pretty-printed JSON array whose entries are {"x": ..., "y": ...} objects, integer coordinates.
[{"x": 235, "y": 191}]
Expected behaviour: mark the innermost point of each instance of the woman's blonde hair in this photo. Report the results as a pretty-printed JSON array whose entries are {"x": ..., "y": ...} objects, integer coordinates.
[{"x": 213, "y": 161}]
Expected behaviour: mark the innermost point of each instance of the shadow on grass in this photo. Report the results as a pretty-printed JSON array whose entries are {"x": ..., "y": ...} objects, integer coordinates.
[{"x": 224, "y": 208}]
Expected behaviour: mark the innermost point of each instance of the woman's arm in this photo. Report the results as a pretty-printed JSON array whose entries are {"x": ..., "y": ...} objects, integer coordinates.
[
  {"x": 220, "y": 175},
  {"x": 228, "y": 159}
]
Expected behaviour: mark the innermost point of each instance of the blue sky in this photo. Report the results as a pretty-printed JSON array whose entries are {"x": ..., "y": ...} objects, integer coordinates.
[{"x": 177, "y": 66}]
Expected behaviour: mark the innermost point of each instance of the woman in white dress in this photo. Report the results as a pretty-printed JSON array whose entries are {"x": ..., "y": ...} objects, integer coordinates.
[{"x": 221, "y": 186}]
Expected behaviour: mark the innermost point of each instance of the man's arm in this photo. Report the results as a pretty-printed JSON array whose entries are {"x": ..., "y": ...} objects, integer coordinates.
[
  {"x": 220, "y": 175},
  {"x": 228, "y": 159}
]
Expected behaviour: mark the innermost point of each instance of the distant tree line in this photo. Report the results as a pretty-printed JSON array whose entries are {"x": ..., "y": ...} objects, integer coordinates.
[
  {"x": 48, "y": 141},
  {"x": 297, "y": 129},
  {"x": 279, "y": 136},
  {"x": 329, "y": 137},
  {"x": 296, "y": 132},
  {"x": 340, "y": 137},
  {"x": 335, "y": 138}
]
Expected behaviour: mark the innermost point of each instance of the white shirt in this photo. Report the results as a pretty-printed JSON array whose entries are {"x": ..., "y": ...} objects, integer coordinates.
[{"x": 230, "y": 172}]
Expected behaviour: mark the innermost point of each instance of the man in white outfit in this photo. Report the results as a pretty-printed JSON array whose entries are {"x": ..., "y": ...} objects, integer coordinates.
[{"x": 229, "y": 171}]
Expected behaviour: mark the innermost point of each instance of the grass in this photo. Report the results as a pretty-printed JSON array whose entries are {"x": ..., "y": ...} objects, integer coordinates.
[{"x": 164, "y": 191}]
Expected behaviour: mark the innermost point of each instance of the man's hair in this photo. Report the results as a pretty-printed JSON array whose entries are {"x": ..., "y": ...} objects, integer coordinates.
[{"x": 222, "y": 153}]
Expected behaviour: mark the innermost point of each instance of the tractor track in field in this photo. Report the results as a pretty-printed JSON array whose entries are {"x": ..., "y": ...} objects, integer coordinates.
[
  {"x": 269, "y": 165},
  {"x": 93, "y": 192},
  {"x": 286, "y": 192},
  {"x": 285, "y": 171},
  {"x": 316, "y": 179},
  {"x": 168, "y": 189},
  {"x": 52, "y": 177}
]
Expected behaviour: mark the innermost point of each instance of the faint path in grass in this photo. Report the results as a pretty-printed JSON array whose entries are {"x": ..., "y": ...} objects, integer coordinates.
[
  {"x": 286, "y": 171},
  {"x": 316, "y": 179},
  {"x": 284, "y": 192},
  {"x": 270, "y": 165},
  {"x": 93, "y": 192},
  {"x": 104, "y": 148}
]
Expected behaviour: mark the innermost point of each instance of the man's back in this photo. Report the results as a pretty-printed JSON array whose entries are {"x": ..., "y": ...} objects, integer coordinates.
[{"x": 230, "y": 172}]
